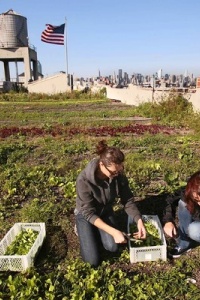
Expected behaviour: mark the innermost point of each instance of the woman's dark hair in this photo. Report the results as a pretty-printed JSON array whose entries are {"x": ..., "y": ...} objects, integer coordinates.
[
  {"x": 193, "y": 186},
  {"x": 109, "y": 155}
]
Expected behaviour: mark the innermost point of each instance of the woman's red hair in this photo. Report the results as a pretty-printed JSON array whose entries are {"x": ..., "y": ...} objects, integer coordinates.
[{"x": 193, "y": 186}]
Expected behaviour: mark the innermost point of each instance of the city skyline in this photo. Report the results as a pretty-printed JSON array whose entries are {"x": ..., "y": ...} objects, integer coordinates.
[
  {"x": 159, "y": 73},
  {"x": 110, "y": 35},
  {"x": 158, "y": 79}
]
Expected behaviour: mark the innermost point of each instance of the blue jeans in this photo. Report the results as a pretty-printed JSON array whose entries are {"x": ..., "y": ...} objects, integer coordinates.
[
  {"x": 188, "y": 228},
  {"x": 90, "y": 237}
]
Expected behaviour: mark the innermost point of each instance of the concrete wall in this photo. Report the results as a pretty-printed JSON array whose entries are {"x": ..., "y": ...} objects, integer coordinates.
[
  {"x": 58, "y": 84},
  {"x": 195, "y": 99},
  {"x": 50, "y": 85},
  {"x": 135, "y": 95}
]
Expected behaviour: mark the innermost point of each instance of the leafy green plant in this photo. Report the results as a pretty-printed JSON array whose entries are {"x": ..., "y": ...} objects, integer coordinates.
[
  {"x": 22, "y": 243},
  {"x": 152, "y": 239},
  {"x": 175, "y": 110}
]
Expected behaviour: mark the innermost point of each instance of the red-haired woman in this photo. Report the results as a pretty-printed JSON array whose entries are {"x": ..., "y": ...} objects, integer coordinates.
[
  {"x": 97, "y": 187},
  {"x": 189, "y": 216}
]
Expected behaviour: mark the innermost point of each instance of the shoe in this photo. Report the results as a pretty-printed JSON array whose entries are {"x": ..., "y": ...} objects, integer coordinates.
[
  {"x": 177, "y": 251},
  {"x": 75, "y": 230}
]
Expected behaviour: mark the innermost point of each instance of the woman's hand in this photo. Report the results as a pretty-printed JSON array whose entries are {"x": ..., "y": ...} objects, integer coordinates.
[
  {"x": 141, "y": 230},
  {"x": 119, "y": 237},
  {"x": 170, "y": 229}
]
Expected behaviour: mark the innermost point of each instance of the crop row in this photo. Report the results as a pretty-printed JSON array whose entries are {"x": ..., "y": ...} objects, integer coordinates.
[{"x": 136, "y": 129}]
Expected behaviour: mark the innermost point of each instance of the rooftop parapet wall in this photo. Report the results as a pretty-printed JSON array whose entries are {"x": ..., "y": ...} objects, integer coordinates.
[
  {"x": 50, "y": 85},
  {"x": 135, "y": 95}
]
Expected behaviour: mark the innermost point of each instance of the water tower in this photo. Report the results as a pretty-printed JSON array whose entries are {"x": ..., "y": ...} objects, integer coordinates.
[{"x": 14, "y": 46}]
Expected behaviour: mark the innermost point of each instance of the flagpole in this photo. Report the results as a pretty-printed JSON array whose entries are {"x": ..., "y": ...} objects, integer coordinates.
[{"x": 66, "y": 52}]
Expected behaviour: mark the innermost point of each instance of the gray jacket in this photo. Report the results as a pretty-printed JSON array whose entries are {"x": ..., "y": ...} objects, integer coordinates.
[{"x": 95, "y": 197}]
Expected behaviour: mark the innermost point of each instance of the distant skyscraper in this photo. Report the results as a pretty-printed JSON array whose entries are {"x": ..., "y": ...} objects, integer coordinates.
[
  {"x": 126, "y": 78},
  {"x": 139, "y": 78},
  {"x": 120, "y": 76},
  {"x": 160, "y": 74},
  {"x": 166, "y": 76},
  {"x": 173, "y": 78},
  {"x": 114, "y": 78},
  {"x": 186, "y": 73}
]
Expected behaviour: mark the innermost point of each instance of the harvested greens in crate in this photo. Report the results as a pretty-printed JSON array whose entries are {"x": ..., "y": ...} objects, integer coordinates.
[
  {"x": 153, "y": 247},
  {"x": 20, "y": 245}
]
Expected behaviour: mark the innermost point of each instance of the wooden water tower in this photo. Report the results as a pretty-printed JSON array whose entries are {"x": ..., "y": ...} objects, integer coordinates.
[{"x": 14, "y": 46}]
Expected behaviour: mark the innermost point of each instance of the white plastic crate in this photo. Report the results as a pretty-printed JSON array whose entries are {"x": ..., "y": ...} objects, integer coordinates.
[
  {"x": 20, "y": 262},
  {"x": 151, "y": 253}
]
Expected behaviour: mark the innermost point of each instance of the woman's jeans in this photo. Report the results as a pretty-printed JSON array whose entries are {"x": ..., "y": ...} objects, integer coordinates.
[
  {"x": 90, "y": 236},
  {"x": 188, "y": 228}
]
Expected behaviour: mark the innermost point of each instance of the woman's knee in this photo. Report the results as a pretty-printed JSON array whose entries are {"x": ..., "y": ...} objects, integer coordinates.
[
  {"x": 194, "y": 231},
  {"x": 112, "y": 247},
  {"x": 93, "y": 261},
  {"x": 108, "y": 242}
]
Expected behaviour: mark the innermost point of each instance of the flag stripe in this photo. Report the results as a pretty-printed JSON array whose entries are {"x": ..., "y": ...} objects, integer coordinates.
[{"x": 53, "y": 34}]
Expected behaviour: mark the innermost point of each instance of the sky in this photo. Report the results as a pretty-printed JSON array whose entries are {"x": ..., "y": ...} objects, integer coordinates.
[{"x": 106, "y": 35}]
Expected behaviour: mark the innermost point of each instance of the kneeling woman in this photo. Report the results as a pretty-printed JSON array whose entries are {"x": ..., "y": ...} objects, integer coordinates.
[
  {"x": 97, "y": 187},
  {"x": 189, "y": 217}
]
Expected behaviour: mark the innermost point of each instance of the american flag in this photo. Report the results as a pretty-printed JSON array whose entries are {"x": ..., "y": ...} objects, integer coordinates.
[{"x": 53, "y": 34}]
